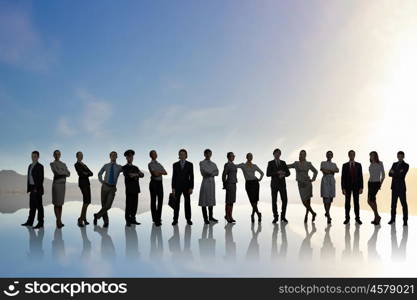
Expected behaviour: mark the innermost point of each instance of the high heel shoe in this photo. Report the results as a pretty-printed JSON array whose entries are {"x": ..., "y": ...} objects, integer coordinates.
[
  {"x": 252, "y": 217},
  {"x": 85, "y": 222},
  {"x": 306, "y": 218},
  {"x": 377, "y": 220},
  {"x": 80, "y": 223}
]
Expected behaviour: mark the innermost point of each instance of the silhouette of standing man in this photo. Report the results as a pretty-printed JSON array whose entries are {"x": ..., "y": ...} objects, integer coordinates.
[{"x": 398, "y": 172}]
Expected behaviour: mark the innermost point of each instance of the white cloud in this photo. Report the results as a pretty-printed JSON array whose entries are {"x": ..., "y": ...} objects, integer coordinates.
[
  {"x": 96, "y": 112},
  {"x": 21, "y": 44},
  {"x": 64, "y": 128}
]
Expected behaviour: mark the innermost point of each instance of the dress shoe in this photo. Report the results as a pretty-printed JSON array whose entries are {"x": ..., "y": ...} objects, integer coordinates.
[
  {"x": 206, "y": 221},
  {"x": 135, "y": 222},
  {"x": 27, "y": 224},
  {"x": 105, "y": 225},
  {"x": 233, "y": 220},
  {"x": 39, "y": 225},
  {"x": 86, "y": 223},
  {"x": 392, "y": 221},
  {"x": 128, "y": 224},
  {"x": 174, "y": 223},
  {"x": 275, "y": 220},
  {"x": 346, "y": 221},
  {"x": 189, "y": 222},
  {"x": 284, "y": 220},
  {"x": 358, "y": 221},
  {"x": 157, "y": 224},
  {"x": 213, "y": 220}
]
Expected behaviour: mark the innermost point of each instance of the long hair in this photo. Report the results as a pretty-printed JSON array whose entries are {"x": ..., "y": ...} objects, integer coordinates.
[{"x": 375, "y": 154}]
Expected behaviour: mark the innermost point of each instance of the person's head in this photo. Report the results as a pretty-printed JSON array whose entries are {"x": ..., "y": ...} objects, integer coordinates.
[
  {"x": 129, "y": 156},
  {"x": 329, "y": 155},
  {"x": 302, "y": 155},
  {"x": 373, "y": 157},
  {"x": 182, "y": 154},
  {"x": 277, "y": 153},
  {"x": 207, "y": 153},
  {"x": 113, "y": 156},
  {"x": 153, "y": 155},
  {"x": 35, "y": 156},
  {"x": 249, "y": 157},
  {"x": 230, "y": 156},
  {"x": 351, "y": 155},
  {"x": 57, "y": 154},
  {"x": 79, "y": 155},
  {"x": 400, "y": 155}
]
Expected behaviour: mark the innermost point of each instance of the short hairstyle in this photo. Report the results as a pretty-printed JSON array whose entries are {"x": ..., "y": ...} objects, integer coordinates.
[
  {"x": 229, "y": 154},
  {"x": 330, "y": 151},
  {"x": 36, "y": 152},
  {"x": 400, "y": 153},
  {"x": 150, "y": 152},
  {"x": 76, "y": 154},
  {"x": 56, "y": 151},
  {"x": 207, "y": 151},
  {"x": 112, "y": 153},
  {"x": 351, "y": 151},
  {"x": 276, "y": 150},
  {"x": 182, "y": 150}
]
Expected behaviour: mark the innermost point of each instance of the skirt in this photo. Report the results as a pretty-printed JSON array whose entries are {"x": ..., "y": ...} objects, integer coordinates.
[
  {"x": 86, "y": 191},
  {"x": 306, "y": 190},
  {"x": 252, "y": 189},
  {"x": 58, "y": 193},
  {"x": 230, "y": 193},
  {"x": 373, "y": 188}
]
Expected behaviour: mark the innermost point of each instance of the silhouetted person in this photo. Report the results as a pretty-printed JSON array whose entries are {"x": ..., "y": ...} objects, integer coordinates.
[
  {"x": 252, "y": 185},
  {"x": 84, "y": 184},
  {"x": 132, "y": 243},
  {"x": 306, "y": 251},
  {"x": 156, "y": 188},
  {"x": 376, "y": 178},
  {"x": 352, "y": 185},
  {"x": 61, "y": 173},
  {"x": 35, "y": 189},
  {"x": 108, "y": 187},
  {"x": 108, "y": 251},
  {"x": 229, "y": 243},
  {"x": 328, "y": 250},
  {"x": 328, "y": 183},
  {"x": 207, "y": 243},
  {"x": 229, "y": 179},
  {"x": 132, "y": 175},
  {"x": 58, "y": 245},
  {"x": 35, "y": 243},
  {"x": 207, "y": 197},
  {"x": 304, "y": 182},
  {"x": 86, "y": 252},
  {"x": 398, "y": 187},
  {"x": 284, "y": 242},
  {"x": 157, "y": 246},
  {"x": 253, "y": 248},
  {"x": 277, "y": 169},
  {"x": 182, "y": 184}
]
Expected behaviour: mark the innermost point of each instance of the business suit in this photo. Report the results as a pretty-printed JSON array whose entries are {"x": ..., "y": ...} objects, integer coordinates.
[
  {"x": 132, "y": 191},
  {"x": 278, "y": 184},
  {"x": 352, "y": 182},
  {"x": 398, "y": 188},
  {"x": 83, "y": 182},
  {"x": 36, "y": 191},
  {"x": 182, "y": 182}
]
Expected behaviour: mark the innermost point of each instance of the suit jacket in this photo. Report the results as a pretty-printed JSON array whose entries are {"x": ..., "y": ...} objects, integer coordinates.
[
  {"x": 37, "y": 174},
  {"x": 83, "y": 173},
  {"x": 182, "y": 178},
  {"x": 349, "y": 182},
  {"x": 271, "y": 171},
  {"x": 131, "y": 183},
  {"x": 229, "y": 175},
  {"x": 398, "y": 176}
]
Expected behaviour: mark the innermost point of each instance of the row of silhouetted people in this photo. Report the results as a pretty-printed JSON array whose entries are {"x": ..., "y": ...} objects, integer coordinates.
[{"x": 182, "y": 185}]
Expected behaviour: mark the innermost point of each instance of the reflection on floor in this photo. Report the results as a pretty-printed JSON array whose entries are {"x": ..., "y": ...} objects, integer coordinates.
[{"x": 240, "y": 250}]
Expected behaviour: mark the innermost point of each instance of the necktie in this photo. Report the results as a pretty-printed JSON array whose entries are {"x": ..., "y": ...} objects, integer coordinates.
[
  {"x": 182, "y": 164},
  {"x": 352, "y": 170},
  {"x": 111, "y": 175}
]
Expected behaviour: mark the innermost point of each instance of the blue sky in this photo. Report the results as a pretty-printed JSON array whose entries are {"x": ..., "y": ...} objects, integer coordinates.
[{"x": 230, "y": 75}]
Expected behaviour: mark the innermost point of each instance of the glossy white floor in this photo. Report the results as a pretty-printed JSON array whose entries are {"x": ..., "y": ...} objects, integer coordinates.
[{"x": 241, "y": 250}]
